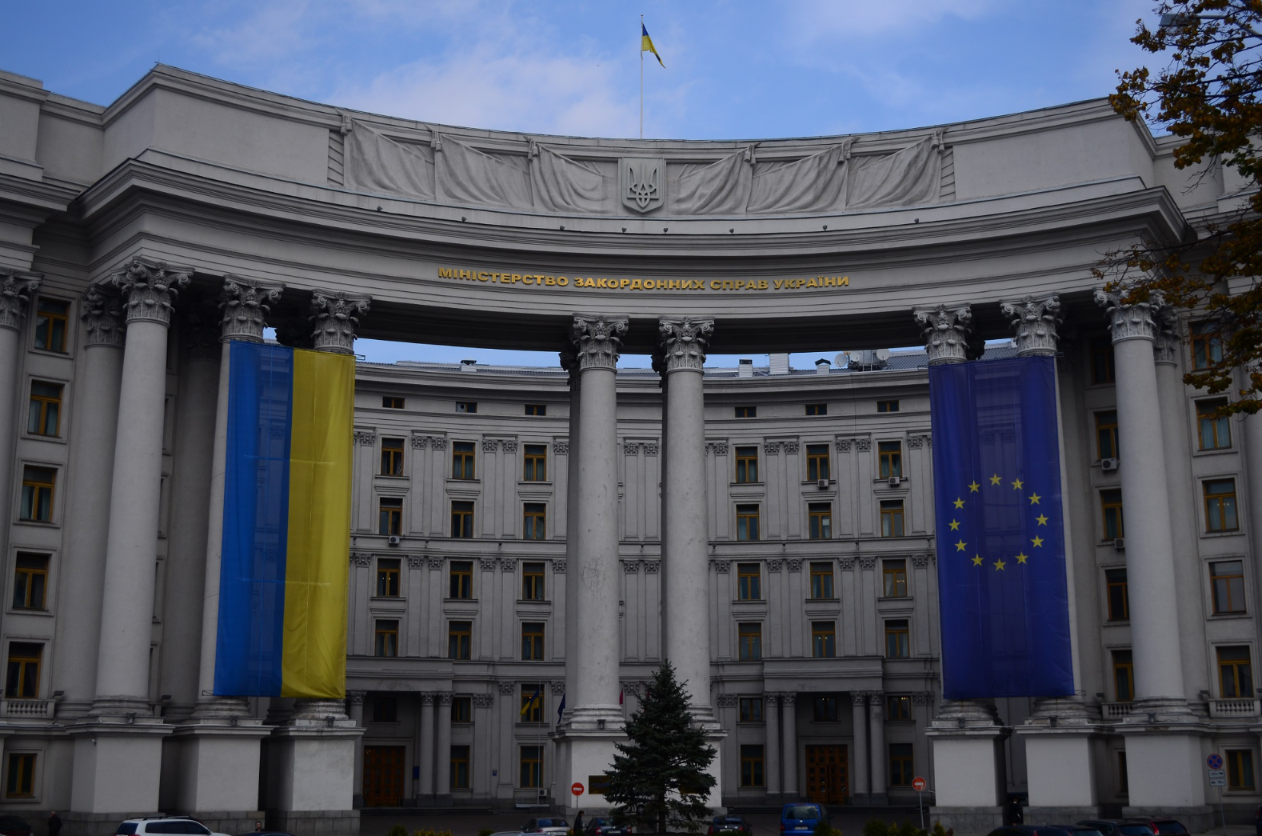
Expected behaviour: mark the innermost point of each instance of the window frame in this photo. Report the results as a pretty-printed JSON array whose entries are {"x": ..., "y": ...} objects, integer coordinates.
[
  {"x": 458, "y": 777},
  {"x": 889, "y": 405},
  {"x": 23, "y": 663},
  {"x": 26, "y": 586},
  {"x": 824, "y": 709},
  {"x": 889, "y": 459},
  {"x": 534, "y": 521},
  {"x": 746, "y": 412},
  {"x": 532, "y": 641},
  {"x": 1206, "y": 335},
  {"x": 460, "y": 640},
  {"x": 749, "y": 581},
  {"x": 537, "y": 409},
  {"x": 753, "y": 765},
  {"x": 823, "y": 640},
  {"x": 750, "y": 710},
  {"x": 526, "y": 695},
  {"x": 1112, "y": 515},
  {"x": 816, "y": 410},
  {"x": 902, "y": 760},
  {"x": 461, "y": 710},
  {"x": 385, "y": 638},
  {"x": 893, "y": 518},
  {"x": 19, "y": 775},
  {"x": 530, "y": 773},
  {"x": 534, "y": 463},
  {"x": 467, "y": 407},
  {"x": 43, "y": 404},
  {"x": 1205, "y": 419},
  {"x": 460, "y": 579},
  {"x": 1106, "y": 429},
  {"x": 825, "y": 571},
  {"x": 749, "y": 641},
  {"x": 894, "y": 570},
  {"x": 1123, "y": 661},
  {"x": 818, "y": 463},
  {"x": 1113, "y": 586},
  {"x": 389, "y": 516},
  {"x": 392, "y": 402},
  {"x": 1240, "y": 686},
  {"x": 1237, "y": 577},
  {"x": 464, "y": 461},
  {"x": 746, "y": 465},
  {"x": 1228, "y": 506},
  {"x": 389, "y": 577},
  {"x": 898, "y": 708},
  {"x": 747, "y": 522},
  {"x": 1235, "y": 759},
  {"x": 462, "y": 519},
  {"x": 53, "y": 318},
  {"x": 819, "y": 519},
  {"x": 392, "y": 456},
  {"x": 533, "y": 578},
  {"x": 38, "y": 490},
  {"x": 1101, "y": 362},
  {"x": 902, "y": 647}
]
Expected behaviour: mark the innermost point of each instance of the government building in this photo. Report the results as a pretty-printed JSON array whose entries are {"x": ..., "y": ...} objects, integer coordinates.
[{"x": 529, "y": 544}]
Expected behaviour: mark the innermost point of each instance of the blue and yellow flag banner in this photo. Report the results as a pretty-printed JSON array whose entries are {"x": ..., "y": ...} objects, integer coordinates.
[
  {"x": 1000, "y": 530},
  {"x": 646, "y": 44},
  {"x": 286, "y": 525}
]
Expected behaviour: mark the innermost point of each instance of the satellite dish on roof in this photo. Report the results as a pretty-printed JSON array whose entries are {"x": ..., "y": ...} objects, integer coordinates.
[{"x": 841, "y": 360}]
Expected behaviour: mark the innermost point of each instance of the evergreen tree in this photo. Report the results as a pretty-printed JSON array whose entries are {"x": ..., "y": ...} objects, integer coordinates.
[{"x": 659, "y": 776}]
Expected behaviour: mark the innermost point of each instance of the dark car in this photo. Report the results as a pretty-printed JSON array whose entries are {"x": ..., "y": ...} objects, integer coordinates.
[
  {"x": 1078, "y": 829},
  {"x": 14, "y": 826},
  {"x": 1030, "y": 830},
  {"x": 266, "y": 833},
  {"x": 1121, "y": 827},
  {"x": 729, "y": 824},
  {"x": 549, "y": 827},
  {"x": 801, "y": 818},
  {"x": 605, "y": 827},
  {"x": 1169, "y": 827}
]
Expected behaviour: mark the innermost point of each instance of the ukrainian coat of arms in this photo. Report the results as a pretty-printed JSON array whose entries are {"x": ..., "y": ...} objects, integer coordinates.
[{"x": 643, "y": 183}]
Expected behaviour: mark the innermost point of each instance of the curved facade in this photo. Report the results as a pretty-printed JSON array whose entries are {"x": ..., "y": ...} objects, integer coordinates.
[{"x": 522, "y": 537}]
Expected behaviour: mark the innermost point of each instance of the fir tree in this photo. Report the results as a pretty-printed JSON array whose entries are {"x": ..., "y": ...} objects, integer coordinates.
[{"x": 659, "y": 776}]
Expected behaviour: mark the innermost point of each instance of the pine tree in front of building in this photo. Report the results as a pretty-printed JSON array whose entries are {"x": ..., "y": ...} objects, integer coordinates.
[{"x": 659, "y": 777}]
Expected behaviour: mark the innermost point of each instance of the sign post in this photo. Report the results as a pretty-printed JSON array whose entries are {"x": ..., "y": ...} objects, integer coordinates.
[
  {"x": 918, "y": 784},
  {"x": 1218, "y": 780}
]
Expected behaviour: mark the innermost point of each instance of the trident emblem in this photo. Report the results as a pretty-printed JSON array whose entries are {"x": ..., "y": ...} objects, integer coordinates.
[{"x": 640, "y": 184}]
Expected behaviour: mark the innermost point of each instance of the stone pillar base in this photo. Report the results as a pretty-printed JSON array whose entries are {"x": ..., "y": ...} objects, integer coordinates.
[
  {"x": 117, "y": 767},
  {"x": 1060, "y": 766},
  {"x": 1062, "y": 815},
  {"x": 582, "y": 753},
  {"x": 312, "y": 822},
  {"x": 966, "y": 821},
  {"x": 310, "y": 775},
  {"x": 218, "y": 768},
  {"x": 1165, "y": 766}
]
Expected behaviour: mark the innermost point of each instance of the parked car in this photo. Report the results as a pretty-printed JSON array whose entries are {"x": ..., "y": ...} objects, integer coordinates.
[
  {"x": 1030, "y": 830},
  {"x": 14, "y": 826},
  {"x": 1078, "y": 829},
  {"x": 1170, "y": 827},
  {"x": 271, "y": 833},
  {"x": 729, "y": 824},
  {"x": 605, "y": 827},
  {"x": 1121, "y": 827},
  {"x": 164, "y": 826},
  {"x": 801, "y": 818},
  {"x": 548, "y": 827}
]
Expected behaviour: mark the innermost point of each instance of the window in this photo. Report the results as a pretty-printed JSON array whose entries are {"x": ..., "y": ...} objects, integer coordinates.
[
  {"x": 750, "y": 709},
  {"x": 388, "y": 577},
  {"x": 1123, "y": 675},
  {"x": 746, "y": 464},
  {"x": 390, "y": 516},
  {"x": 536, "y": 409},
  {"x": 37, "y": 493},
  {"x": 751, "y": 766},
  {"x": 459, "y": 768},
  {"x": 1123, "y": 780},
  {"x": 898, "y": 707},
  {"x": 1235, "y": 674},
  {"x": 385, "y": 709},
  {"x": 1106, "y": 435},
  {"x": 461, "y": 579},
  {"x": 466, "y": 407},
  {"x": 386, "y": 637},
  {"x": 30, "y": 582},
  {"x": 1220, "y": 505},
  {"x": 1111, "y": 511},
  {"x": 748, "y": 582},
  {"x": 391, "y": 457},
  {"x": 1119, "y": 595},
  {"x": 21, "y": 780},
  {"x": 531, "y": 710},
  {"x": 816, "y": 409},
  {"x": 749, "y": 637},
  {"x": 462, "y": 460},
  {"x": 896, "y": 645},
  {"x": 461, "y": 519},
  {"x": 1207, "y": 345},
  {"x": 532, "y": 642},
  {"x": 746, "y": 412},
  {"x": 817, "y": 462},
  {"x": 531, "y": 767},
  {"x": 535, "y": 463},
  {"x": 825, "y": 709},
  {"x": 1227, "y": 579},
  {"x": 23, "y": 675},
  {"x": 891, "y": 455},
  {"x": 894, "y": 573},
  {"x": 887, "y": 406},
  {"x": 51, "y": 319},
  {"x": 901, "y": 765},
  {"x": 823, "y": 639},
  {"x": 389, "y": 402},
  {"x": 534, "y": 520},
  {"x": 462, "y": 709},
  {"x": 746, "y": 522},
  {"x": 1102, "y": 370},
  {"x": 1213, "y": 431},
  {"x": 459, "y": 640},
  {"x": 532, "y": 582},
  {"x": 1239, "y": 769},
  {"x": 44, "y": 416},
  {"x": 820, "y": 520},
  {"x": 822, "y": 581},
  {"x": 891, "y": 518}
]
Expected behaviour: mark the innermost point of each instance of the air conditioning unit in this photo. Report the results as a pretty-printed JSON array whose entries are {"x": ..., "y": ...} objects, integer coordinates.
[
  {"x": 1119, "y": 544},
  {"x": 395, "y": 540},
  {"x": 895, "y": 481},
  {"x": 1108, "y": 465},
  {"x": 543, "y": 795},
  {"x": 822, "y": 484}
]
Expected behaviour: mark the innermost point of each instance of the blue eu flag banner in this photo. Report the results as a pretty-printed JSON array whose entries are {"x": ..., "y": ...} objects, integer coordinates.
[{"x": 1000, "y": 531}]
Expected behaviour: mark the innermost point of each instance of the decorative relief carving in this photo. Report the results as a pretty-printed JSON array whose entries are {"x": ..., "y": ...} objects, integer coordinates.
[
  {"x": 244, "y": 305},
  {"x": 650, "y": 448},
  {"x": 794, "y": 564},
  {"x": 444, "y": 698},
  {"x": 507, "y": 688},
  {"x": 483, "y": 700},
  {"x": 774, "y": 565},
  {"x": 867, "y": 561},
  {"x": 598, "y": 340},
  {"x": 434, "y": 561},
  {"x": 561, "y": 446},
  {"x": 557, "y": 686},
  {"x": 1165, "y": 347},
  {"x": 1136, "y": 321},
  {"x": 922, "y": 697},
  {"x": 361, "y": 559},
  {"x": 634, "y": 687},
  {"x": 947, "y": 332},
  {"x": 920, "y": 561},
  {"x": 728, "y": 700},
  {"x": 682, "y": 343},
  {"x": 788, "y": 699},
  {"x": 630, "y": 448},
  {"x": 843, "y": 445},
  {"x": 508, "y": 564},
  {"x": 427, "y": 697},
  {"x": 102, "y": 316},
  {"x": 1035, "y": 322},
  {"x": 771, "y": 448},
  {"x": 149, "y": 289},
  {"x": 722, "y": 567},
  {"x": 631, "y": 567},
  {"x": 642, "y": 182},
  {"x": 487, "y": 564},
  {"x": 863, "y": 445},
  {"x": 791, "y": 447},
  {"x": 365, "y": 438},
  {"x": 356, "y": 697},
  {"x": 558, "y": 567},
  {"x": 419, "y": 442},
  {"x": 847, "y": 563},
  {"x": 916, "y": 442},
  {"x": 335, "y": 315},
  {"x": 438, "y": 443},
  {"x": 718, "y": 448},
  {"x": 859, "y": 698},
  {"x": 15, "y": 292},
  {"x": 508, "y": 445},
  {"x": 416, "y": 561},
  {"x": 490, "y": 445},
  {"x": 652, "y": 567}
]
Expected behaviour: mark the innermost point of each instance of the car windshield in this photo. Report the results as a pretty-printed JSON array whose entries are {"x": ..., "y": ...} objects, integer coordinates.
[
  {"x": 805, "y": 811},
  {"x": 552, "y": 823},
  {"x": 1165, "y": 827},
  {"x": 1134, "y": 830},
  {"x": 127, "y": 828}
]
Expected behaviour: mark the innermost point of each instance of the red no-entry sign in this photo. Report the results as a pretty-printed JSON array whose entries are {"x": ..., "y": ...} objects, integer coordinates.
[
  {"x": 576, "y": 788},
  {"x": 918, "y": 784}
]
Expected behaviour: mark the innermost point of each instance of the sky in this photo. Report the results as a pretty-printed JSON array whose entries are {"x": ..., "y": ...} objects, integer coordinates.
[{"x": 734, "y": 69}]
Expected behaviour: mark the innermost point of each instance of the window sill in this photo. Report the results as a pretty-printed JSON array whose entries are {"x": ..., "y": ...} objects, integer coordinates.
[
  {"x": 889, "y": 599},
  {"x": 402, "y": 477},
  {"x": 55, "y": 439},
  {"x": 38, "y": 523},
  {"x": 43, "y": 613},
  {"x": 460, "y": 600},
  {"x": 1235, "y": 532},
  {"x": 1215, "y": 451},
  {"x": 48, "y": 352},
  {"x": 540, "y": 601},
  {"x": 1218, "y": 616},
  {"x": 823, "y": 600},
  {"x": 534, "y": 483}
]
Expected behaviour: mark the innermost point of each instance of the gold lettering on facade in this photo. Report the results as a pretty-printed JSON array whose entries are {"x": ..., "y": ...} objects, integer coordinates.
[{"x": 718, "y": 285}]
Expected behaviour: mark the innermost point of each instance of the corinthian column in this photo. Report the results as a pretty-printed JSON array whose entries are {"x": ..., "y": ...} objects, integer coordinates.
[
  {"x": 15, "y": 291},
  {"x": 335, "y": 315},
  {"x": 948, "y": 332},
  {"x": 573, "y": 559},
  {"x": 685, "y": 573}
]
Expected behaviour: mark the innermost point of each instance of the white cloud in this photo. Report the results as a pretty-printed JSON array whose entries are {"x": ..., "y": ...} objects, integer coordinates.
[{"x": 815, "y": 20}]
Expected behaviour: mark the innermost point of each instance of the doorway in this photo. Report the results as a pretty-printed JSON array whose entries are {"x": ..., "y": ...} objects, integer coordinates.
[
  {"x": 383, "y": 776},
  {"x": 827, "y": 774}
]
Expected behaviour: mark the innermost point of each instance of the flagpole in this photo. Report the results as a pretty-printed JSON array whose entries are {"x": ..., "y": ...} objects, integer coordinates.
[{"x": 641, "y": 76}]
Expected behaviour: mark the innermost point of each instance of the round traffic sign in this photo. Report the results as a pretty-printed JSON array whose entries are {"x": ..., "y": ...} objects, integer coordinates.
[
  {"x": 576, "y": 788},
  {"x": 1215, "y": 761},
  {"x": 918, "y": 784}
]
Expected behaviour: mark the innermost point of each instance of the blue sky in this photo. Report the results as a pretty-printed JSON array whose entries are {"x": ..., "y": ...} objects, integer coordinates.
[{"x": 734, "y": 68}]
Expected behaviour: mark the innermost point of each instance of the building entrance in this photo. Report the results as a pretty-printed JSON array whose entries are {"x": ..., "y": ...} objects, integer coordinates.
[
  {"x": 827, "y": 774},
  {"x": 383, "y": 776}
]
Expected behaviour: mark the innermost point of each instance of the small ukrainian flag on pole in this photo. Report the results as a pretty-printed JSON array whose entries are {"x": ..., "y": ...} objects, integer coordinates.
[{"x": 646, "y": 44}]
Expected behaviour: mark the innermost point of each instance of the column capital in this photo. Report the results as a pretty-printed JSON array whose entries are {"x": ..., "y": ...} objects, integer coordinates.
[
  {"x": 444, "y": 697},
  {"x": 356, "y": 697},
  {"x": 15, "y": 290},
  {"x": 335, "y": 315},
  {"x": 682, "y": 343},
  {"x": 102, "y": 315},
  {"x": 859, "y": 699},
  {"x": 149, "y": 288},
  {"x": 245, "y": 304},
  {"x": 1035, "y": 321},
  {"x": 1165, "y": 347},
  {"x": 947, "y": 330},
  {"x": 597, "y": 340},
  {"x": 788, "y": 698},
  {"x": 428, "y": 697},
  {"x": 1130, "y": 321}
]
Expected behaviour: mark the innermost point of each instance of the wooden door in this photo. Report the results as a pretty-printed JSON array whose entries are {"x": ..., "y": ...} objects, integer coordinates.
[
  {"x": 383, "y": 776},
  {"x": 827, "y": 774}
]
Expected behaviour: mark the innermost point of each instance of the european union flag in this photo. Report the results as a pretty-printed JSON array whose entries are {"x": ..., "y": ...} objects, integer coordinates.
[{"x": 1000, "y": 530}]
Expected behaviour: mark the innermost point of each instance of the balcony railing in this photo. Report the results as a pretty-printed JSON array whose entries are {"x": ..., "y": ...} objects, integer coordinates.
[
  {"x": 29, "y": 709},
  {"x": 1115, "y": 710},
  {"x": 1227, "y": 709}
]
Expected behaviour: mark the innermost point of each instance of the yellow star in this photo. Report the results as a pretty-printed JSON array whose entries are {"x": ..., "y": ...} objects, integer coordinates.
[
  {"x": 1016, "y": 486},
  {"x": 973, "y": 487},
  {"x": 1037, "y": 541},
  {"x": 999, "y": 564},
  {"x": 955, "y": 525},
  {"x": 959, "y": 503},
  {"x": 1042, "y": 518},
  {"x": 995, "y": 480},
  {"x": 1034, "y": 499},
  {"x": 1021, "y": 558},
  {"x": 977, "y": 561},
  {"x": 959, "y": 547}
]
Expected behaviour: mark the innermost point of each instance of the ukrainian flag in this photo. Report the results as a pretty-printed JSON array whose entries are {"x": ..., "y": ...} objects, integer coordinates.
[
  {"x": 286, "y": 526},
  {"x": 646, "y": 44}
]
